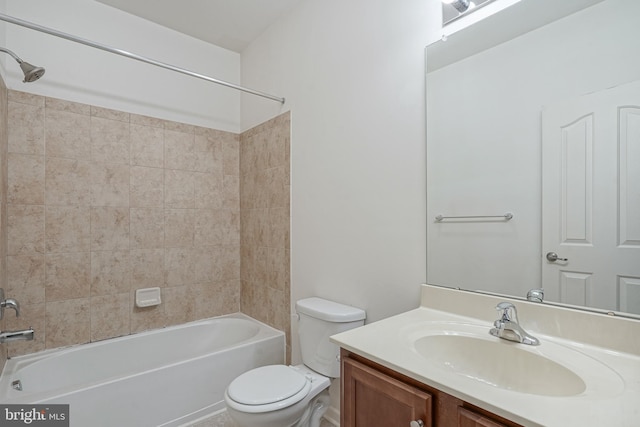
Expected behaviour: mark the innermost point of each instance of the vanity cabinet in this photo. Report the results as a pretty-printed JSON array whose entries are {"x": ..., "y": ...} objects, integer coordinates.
[{"x": 375, "y": 396}]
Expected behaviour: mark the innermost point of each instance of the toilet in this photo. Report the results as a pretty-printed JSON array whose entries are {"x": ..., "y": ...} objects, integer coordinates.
[{"x": 295, "y": 396}]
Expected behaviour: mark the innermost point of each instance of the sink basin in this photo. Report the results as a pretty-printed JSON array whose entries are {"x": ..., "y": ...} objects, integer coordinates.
[
  {"x": 500, "y": 364},
  {"x": 466, "y": 352}
]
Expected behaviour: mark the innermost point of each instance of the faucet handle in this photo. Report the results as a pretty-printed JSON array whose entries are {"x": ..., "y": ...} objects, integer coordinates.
[
  {"x": 508, "y": 312},
  {"x": 10, "y": 303}
]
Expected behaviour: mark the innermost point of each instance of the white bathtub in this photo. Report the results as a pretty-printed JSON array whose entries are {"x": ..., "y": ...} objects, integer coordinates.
[{"x": 166, "y": 377}]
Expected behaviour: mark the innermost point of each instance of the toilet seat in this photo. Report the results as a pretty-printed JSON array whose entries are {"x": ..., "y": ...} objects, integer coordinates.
[{"x": 267, "y": 388}]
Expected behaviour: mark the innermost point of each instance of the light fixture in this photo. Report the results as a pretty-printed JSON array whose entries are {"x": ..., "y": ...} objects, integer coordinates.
[{"x": 460, "y": 5}]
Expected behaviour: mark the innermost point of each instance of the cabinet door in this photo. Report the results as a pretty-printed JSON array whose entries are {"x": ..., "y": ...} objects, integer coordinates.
[
  {"x": 371, "y": 398},
  {"x": 467, "y": 418}
]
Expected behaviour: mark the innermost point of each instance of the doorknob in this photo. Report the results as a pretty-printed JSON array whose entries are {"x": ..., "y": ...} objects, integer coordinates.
[
  {"x": 418, "y": 423},
  {"x": 553, "y": 257}
]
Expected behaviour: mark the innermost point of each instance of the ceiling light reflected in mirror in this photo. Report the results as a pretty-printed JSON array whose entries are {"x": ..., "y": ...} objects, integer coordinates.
[{"x": 452, "y": 10}]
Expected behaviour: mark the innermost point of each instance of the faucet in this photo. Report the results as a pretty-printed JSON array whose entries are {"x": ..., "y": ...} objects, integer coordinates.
[
  {"x": 25, "y": 334},
  {"x": 8, "y": 303},
  {"x": 508, "y": 328},
  {"x": 8, "y": 336},
  {"x": 535, "y": 295}
]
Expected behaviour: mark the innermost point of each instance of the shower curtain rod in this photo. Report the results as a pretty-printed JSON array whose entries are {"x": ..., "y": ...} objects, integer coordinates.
[{"x": 42, "y": 29}]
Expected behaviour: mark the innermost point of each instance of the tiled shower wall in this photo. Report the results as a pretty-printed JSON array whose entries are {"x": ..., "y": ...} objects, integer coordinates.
[
  {"x": 101, "y": 203},
  {"x": 264, "y": 211},
  {"x": 3, "y": 202}
]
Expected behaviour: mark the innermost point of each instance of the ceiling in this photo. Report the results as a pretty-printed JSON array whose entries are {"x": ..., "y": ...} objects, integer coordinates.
[{"x": 231, "y": 24}]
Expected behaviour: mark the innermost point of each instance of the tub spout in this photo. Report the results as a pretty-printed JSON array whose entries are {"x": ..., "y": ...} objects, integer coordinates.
[{"x": 24, "y": 335}]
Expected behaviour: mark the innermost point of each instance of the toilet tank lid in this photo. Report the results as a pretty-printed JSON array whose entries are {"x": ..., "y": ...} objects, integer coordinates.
[{"x": 329, "y": 311}]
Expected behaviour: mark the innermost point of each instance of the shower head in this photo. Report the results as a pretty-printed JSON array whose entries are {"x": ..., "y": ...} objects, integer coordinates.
[{"x": 31, "y": 72}]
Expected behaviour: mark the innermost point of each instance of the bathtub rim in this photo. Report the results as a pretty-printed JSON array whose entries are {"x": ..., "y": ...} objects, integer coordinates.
[{"x": 15, "y": 364}]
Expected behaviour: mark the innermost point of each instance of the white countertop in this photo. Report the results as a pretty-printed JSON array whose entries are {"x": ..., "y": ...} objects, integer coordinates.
[{"x": 609, "y": 344}]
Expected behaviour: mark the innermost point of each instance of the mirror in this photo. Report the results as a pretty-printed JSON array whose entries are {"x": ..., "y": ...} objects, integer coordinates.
[{"x": 487, "y": 88}]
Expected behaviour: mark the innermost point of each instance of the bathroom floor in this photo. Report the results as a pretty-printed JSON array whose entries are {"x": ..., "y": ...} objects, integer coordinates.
[{"x": 221, "y": 419}]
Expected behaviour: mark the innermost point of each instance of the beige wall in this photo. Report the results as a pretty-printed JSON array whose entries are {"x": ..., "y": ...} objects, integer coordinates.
[
  {"x": 264, "y": 212},
  {"x": 101, "y": 203},
  {"x": 3, "y": 202}
]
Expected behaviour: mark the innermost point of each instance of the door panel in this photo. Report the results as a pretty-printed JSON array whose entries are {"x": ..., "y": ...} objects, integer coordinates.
[{"x": 591, "y": 199}]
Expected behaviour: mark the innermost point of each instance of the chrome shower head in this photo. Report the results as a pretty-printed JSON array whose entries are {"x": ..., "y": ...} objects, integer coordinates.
[{"x": 31, "y": 72}]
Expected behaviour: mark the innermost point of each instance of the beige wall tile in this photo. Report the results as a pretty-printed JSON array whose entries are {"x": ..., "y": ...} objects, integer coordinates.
[
  {"x": 110, "y": 316},
  {"x": 276, "y": 187},
  {"x": 217, "y": 298},
  {"x": 147, "y": 228},
  {"x": 146, "y": 318},
  {"x": 179, "y": 189},
  {"x": 68, "y": 135},
  {"x": 26, "y": 133},
  {"x": 179, "y": 127},
  {"x": 109, "y": 141},
  {"x": 68, "y": 229},
  {"x": 207, "y": 232},
  {"x": 147, "y": 268},
  {"x": 68, "y": 181},
  {"x": 31, "y": 315},
  {"x": 179, "y": 150},
  {"x": 68, "y": 276},
  {"x": 106, "y": 113},
  {"x": 229, "y": 221},
  {"x": 147, "y": 146},
  {"x": 179, "y": 306},
  {"x": 231, "y": 192},
  {"x": 278, "y": 228},
  {"x": 3, "y": 199},
  {"x": 25, "y": 179},
  {"x": 179, "y": 265},
  {"x": 265, "y": 221},
  {"x": 209, "y": 157},
  {"x": 225, "y": 262},
  {"x": 110, "y": 273},
  {"x": 25, "y": 229},
  {"x": 146, "y": 187},
  {"x": 146, "y": 121},
  {"x": 179, "y": 228},
  {"x": 203, "y": 265},
  {"x": 109, "y": 229},
  {"x": 67, "y": 322},
  {"x": 231, "y": 156},
  {"x": 25, "y": 98},
  {"x": 109, "y": 185},
  {"x": 208, "y": 190},
  {"x": 172, "y": 219},
  {"x": 25, "y": 278},
  {"x": 67, "y": 106}
]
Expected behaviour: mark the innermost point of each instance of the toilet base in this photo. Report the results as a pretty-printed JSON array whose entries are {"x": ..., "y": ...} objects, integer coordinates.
[
  {"x": 306, "y": 413},
  {"x": 314, "y": 412}
]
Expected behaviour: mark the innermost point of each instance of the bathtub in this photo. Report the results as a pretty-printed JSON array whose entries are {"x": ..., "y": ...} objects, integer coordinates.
[{"x": 165, "y": 377}]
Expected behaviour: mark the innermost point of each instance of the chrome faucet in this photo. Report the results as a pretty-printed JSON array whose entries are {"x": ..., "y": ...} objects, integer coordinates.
[
  {"x": 535, "y": 295},
  {"x": 508, "y": 328},
  {"x": 8, "y": 336},
  {"x": 25, "y": 334},
  {"x": 8, "y": 303}
]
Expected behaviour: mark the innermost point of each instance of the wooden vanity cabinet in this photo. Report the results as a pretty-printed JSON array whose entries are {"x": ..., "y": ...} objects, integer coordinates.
[{"x": 375, "y": 396}]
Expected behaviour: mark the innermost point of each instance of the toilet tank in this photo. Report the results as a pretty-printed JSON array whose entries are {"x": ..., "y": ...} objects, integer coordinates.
[{"x": 318, "y": 320}]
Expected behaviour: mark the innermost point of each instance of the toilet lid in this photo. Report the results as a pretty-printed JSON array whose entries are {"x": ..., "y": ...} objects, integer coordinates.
[{"x": 267, "y": 384}]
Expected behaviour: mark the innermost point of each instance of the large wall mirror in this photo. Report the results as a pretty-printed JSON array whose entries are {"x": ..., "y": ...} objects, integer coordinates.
[{"x": 537, "y": 114}]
